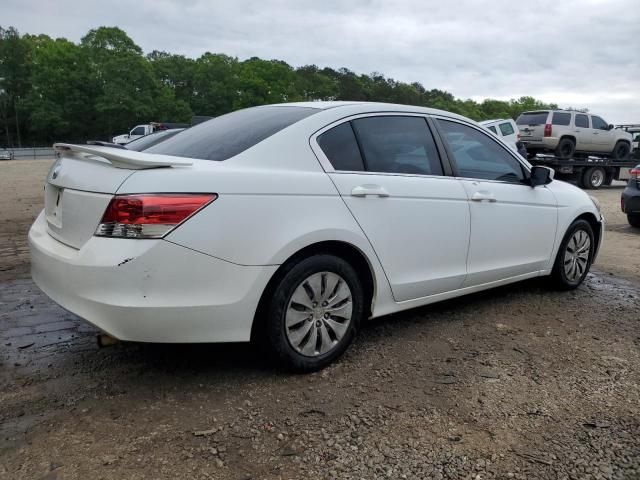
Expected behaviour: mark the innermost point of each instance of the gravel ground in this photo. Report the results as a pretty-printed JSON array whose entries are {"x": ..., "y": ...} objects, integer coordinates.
[{"x": 518, "y": 382}]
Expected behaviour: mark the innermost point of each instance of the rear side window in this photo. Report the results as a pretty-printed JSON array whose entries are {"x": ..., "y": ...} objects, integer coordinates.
[
  {"x": 340, "y": 146},
  {"x": 477, "y": 155},
  {"x": 532, "y": 118},
  {"x": 561, "y": 118},
  {"x": 397, "y": 144},
  {"x": 506, "y": 129},
  {"x": 228, "y": 135},
  {"x": 582, "y": 120},
  {"x": 493, "y": 129}
]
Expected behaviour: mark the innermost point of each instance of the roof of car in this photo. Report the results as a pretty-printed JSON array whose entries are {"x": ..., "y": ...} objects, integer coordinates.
[
  {"x": 369, "y": 107},
  {"x": 486, "y": 122}
]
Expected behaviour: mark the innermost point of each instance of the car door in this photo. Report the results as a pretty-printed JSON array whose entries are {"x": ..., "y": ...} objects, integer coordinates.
[
  {"x": 601, "y": 135},
  {"x": 390, "y": 175},
  {"x": 582, "y": 132},
  {"x": 508, "y": 131},
  {"x": 512, "y": 225}
]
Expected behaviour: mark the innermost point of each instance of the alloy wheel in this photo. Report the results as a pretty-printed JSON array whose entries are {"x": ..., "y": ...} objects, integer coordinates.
[
  {"x": 318, "y": 314},
  {"x": 576, "y": 256},
  {"x": 597, "y": 178}
]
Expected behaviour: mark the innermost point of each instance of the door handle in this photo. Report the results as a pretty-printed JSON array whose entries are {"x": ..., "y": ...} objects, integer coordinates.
[
  {"x": 364, "y": 190},
  {"x": 483, "y": 196}
]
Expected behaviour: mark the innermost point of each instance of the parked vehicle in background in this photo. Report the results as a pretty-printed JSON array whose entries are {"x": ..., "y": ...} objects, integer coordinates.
[
  {"x": 152, "y": 139},
  {"x": 508, "y": 131},
  {"x": 273, "y": 223},
  {"x": 634, "y": 130},
  {"x": 145, "y": 129},
  {"x": 566, "y": 133},
  {"x": 6, "y": 154},
  {"x": 630, "y": 201},
  {"x": 590, "y": 172}
]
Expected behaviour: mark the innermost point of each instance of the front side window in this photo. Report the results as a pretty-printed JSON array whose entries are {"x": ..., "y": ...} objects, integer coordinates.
[
  {"x": 137, "y": 131},
  {"x": 477, "y": 155},
  {"x": 341, "y": 148},
  {"x": 493, "y": 129},
  {"x": 599, "y": 123},
  {"x": 582, "y": 120},
  {"x": 396, "y": 144},
  {"x": 561, "y": 118},
  {"x": 506, "y": 129}
]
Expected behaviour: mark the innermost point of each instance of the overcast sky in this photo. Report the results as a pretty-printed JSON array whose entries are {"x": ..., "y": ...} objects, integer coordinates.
[{"x": 577, "y": 53}]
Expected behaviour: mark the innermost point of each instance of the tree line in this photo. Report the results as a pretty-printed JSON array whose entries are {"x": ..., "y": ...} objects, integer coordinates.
[{"x": 58, "y": 90}]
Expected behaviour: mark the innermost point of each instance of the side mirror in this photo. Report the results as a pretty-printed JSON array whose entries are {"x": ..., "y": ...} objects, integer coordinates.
[
  {"x": 540, "y": 175},
  {"x": 611, "y": 127}
]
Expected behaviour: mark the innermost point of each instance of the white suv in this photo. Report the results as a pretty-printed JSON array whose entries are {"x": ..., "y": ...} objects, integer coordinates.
[
  {"x": 568, "y": 132},
  {"x": 506, "y": 129}
]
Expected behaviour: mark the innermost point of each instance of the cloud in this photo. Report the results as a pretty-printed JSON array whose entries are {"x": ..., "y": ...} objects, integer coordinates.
[{"x": 578, "y": 53}]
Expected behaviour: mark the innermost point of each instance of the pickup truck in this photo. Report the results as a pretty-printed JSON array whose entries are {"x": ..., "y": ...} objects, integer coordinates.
[{"x": 142, "y": 130}]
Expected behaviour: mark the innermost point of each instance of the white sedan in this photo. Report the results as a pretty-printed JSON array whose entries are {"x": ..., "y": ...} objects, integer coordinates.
[{"x": 291, "y": 224}]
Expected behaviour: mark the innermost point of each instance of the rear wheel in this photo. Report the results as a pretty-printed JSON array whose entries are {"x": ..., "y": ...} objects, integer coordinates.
[
  {"x": 566, "y": 148},
  {"x": 621, "y": 151},
  {"x": 594, "y": 177},
  {"x": 609, "y": 179},
  {"x": 574, "y": 256},
  {"x": 314, "y": 313},
  {"x": 634, "y": 220}
]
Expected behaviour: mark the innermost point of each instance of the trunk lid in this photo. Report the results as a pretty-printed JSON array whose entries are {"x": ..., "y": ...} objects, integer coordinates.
[{"x": 82, "y": 182}]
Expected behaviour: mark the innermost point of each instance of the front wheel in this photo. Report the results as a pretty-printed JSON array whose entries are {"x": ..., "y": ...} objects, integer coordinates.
[
  {"x": 574, "y": 257},
  {"x": 634, "y": 220},
  {"x": 314, "y": 313}
]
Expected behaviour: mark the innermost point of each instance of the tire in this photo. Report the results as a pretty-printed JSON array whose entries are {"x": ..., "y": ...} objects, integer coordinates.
[
  {"x": 594, "y": 178},
  {"x": 621, "y": 151},
  {"x": 300, "y": 334},
  {"x": 634, "y": 220},
  {"x": 566, "y": 148},
  {"x": 609, "y": 180},
  {"x": 563, "y": 276}
]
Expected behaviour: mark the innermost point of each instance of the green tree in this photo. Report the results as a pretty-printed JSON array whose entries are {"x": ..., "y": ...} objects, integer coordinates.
[
  {"x": 61, "y": 96},
  {"x": 126, "y": 86},
  {"x": 15, "y": 65},
  {"x": 262, "y": 82}
]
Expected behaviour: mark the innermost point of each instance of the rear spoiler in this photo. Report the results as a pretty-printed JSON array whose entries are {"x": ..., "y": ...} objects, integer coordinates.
[{"x": 122, "y": 158}]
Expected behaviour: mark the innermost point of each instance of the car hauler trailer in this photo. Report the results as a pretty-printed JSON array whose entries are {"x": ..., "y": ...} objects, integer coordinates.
[{"x": 589, "y": 172}]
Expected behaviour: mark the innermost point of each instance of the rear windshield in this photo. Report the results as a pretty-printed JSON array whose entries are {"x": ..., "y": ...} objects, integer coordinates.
[
  {"x": 228, "y": 135},
  {"x": 152, "y": 139},
  {"x": 532, "y": 118}
]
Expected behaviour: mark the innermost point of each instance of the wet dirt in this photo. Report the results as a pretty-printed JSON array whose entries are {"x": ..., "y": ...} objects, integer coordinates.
[{"x": 517, "y": 382}]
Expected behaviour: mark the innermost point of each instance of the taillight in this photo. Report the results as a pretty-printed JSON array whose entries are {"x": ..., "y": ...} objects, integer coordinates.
[
  {"x": 635, "y": 173},
  {"x": 547, "y": 130},
  {"x": 150, "y": 215}
]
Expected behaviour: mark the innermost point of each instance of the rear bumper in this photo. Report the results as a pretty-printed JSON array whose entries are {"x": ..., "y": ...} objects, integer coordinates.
[
  {"x": 148, "y": 290},
  {"x": 544, "y": 143},
  {"x": 631, "y": 200}
]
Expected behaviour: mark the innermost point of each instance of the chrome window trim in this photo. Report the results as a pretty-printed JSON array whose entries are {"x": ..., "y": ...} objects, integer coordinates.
[{"x": 516, "y": 156}]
